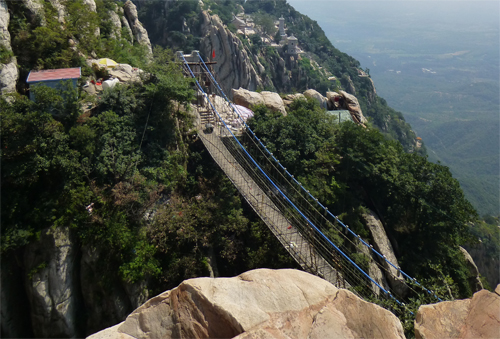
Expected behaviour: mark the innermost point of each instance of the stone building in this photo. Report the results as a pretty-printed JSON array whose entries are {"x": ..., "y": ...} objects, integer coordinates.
[{"x": 292, "y": 43}]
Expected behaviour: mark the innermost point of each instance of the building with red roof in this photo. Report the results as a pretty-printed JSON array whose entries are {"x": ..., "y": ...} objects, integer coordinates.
[{"x": 53, "y": 77}]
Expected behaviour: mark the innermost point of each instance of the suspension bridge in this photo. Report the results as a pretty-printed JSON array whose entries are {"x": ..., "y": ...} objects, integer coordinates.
[{"x": 318, "y": 240}]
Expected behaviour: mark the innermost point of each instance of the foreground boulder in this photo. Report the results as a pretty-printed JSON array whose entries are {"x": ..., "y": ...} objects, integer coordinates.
[
  {"x": 257, "y": 304},
  {"x": 478, "y": 317}
]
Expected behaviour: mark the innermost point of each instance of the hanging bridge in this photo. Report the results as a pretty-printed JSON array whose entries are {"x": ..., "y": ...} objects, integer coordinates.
[{"x": 318, "y": 240}]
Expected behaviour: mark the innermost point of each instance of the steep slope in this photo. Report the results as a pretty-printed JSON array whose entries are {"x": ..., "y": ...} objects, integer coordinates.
[{"x": 255, "y": 61}]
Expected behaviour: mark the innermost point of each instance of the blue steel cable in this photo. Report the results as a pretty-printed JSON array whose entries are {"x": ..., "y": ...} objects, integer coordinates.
[
  {"x": 284, "y": 196},
  {"x": 297, "y": 182}
]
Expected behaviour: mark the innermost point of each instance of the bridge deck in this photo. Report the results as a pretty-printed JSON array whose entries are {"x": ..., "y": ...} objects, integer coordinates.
[{"x": 298, "y": 247}]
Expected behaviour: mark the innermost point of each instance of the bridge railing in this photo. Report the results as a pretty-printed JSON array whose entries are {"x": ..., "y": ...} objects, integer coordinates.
[{"x": 306, "y": 214}]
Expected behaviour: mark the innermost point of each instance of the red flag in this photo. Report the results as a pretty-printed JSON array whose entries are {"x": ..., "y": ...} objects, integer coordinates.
[{"x": 213, "y": 54}]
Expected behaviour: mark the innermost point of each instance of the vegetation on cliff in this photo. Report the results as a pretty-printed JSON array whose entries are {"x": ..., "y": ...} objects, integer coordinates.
[
  {"x": 350, "y": 168},
  {"x": 45, "y": 45},
  {"x": 131, "y": 177}
]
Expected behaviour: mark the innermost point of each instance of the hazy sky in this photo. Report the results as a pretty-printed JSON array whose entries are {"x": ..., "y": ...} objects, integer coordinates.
[{"x": 452, "y": 11}]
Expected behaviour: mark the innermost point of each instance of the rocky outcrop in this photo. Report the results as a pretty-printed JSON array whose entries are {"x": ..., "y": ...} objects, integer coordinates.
[
  {"x": 116, "y": 25},
  {"x": 289, "y": 98},
  {"x": 4, "y": 25},
  {"x": 248, "y": 99},
  {"x": 347, "y": 83},
  {"x": 60, "y": 9},
  {"x": 93, "y": 8},
  {"x": 374, "y": 271},
  {"x": 352, "y": 104},
  {"x": 9, "y": 75},
  {"x": 140, "y": 33},
  {"x": 34, "y": 10},
  {"x": 126, "y": 73},
  {"x": 125, "y": 24},
  {"x": 8, "y": 70},
  {"x": 51, "y": 285},
  {"x": 234, "y": 68},
  {"x": 333, "y": 102},
  {"x": 478, "y": 317},
  {"x": 313, "y": 94},
  {"x": 473, "y": 278},
  {"x": 372, "y": 92},
  {"x": 382, "y": 244},
  {"x": 488, "y": 263},
  {"x": 273, "y": 101},
  {"x": 257, "y": 304},
  {"x": 91, "y": 5}
]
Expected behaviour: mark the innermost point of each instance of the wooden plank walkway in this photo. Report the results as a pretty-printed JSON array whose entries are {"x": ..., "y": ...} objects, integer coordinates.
[{"x": 299, "y": 248}]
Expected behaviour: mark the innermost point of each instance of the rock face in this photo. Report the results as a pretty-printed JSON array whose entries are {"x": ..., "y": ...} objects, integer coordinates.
[
  {"x": 116, "y": 30},
  {"x": 140, "y": 33},
  {"x": 382, "y": 244},
  {"x": 234, "y": 68},
  {"x": 374, "y": 271},
  {"x": 125, "y": 73},
  {"x": 91, "y": 4},
  {"x": 348, "y": 84},
  {"x": 35, "y": 10},
  {"x": 333, "y": 101},
  {"x": 248, "y": 99},
  {"x": 257, "y": 304},
  {"x": 473, "y": 279},
  {"x": 106, "y": 306},
  {"x": 478, "y": 317},
  {"x": 273, "y": 101},
  {"x": 289, "y": 98},
  {"x": 4, "y": 25},
  {"x": 51, "y": 287},
  {"x": 313, "y": 94},
  {"x": 8, "y": 76},
  {"x": 352, "y": 105},
  {"x": 61, "y": 10},
  {"x": 8, "y": 72},
  {"x": 128, "y": 29},
  {"x": 488, "y": 264}
]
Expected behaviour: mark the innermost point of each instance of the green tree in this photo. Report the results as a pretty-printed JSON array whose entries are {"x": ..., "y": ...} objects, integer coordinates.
[{"x": 266, "y": 22}]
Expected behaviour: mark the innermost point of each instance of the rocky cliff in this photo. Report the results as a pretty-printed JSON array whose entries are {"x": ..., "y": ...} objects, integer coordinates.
[
  {"x": 61, "y": 285},
  {"x": 8, "y": 63},
  {"x": 257, "y": 304},
  {"x": 140, "y": 33},
  {"x": 487, "y": 260},
  {"x": 234, "y": 68},
  {"x": 33, "y": 12},
  {"x": 54, "y": 286}
]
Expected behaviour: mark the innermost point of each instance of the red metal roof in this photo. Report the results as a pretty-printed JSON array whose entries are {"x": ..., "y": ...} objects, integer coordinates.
[{"x": 54, "y": 74}]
